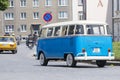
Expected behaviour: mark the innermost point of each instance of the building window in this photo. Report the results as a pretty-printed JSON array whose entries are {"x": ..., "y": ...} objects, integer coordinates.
[
  {"x": 11, "y": 3},
  {"x": 36, "y": 15},
  {"x": 63, "y": 15},
  {"x": 9, "y": 28},
  {"x": 62, "y": 2},
  {"x": 9, "y": 16},
  {"x": 80, "y": 2},
  {"x": 23, "y": 15},
  {"x": 23, "y": 28},
  {"x": 80, "y": 15},
  {"x": 35, "y": 3},
  {"x": 22, "y": 3},
  {"x": 48, "y": 2}
]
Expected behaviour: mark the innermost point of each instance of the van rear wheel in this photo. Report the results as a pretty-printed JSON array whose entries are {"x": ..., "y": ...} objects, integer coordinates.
[
  {"x": 101, "y": 63},
  {"x": 70, "y": 60},
  {"x": 43, "y": 60}
]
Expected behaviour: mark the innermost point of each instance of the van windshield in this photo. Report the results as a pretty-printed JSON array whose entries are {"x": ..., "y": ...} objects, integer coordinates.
[{"x": 95, "y": 29}]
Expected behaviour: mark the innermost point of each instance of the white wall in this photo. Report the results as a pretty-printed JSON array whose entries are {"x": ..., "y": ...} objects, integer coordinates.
[
  {"x": 76, "y": 9},
  {"x": 100, "y": 10}
]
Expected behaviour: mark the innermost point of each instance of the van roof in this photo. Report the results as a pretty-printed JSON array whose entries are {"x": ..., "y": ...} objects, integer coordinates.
[{"x": 73, "y": 22}]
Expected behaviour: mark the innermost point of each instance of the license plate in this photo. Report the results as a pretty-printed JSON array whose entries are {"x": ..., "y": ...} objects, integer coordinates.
[{"x": 96, "y": 50}]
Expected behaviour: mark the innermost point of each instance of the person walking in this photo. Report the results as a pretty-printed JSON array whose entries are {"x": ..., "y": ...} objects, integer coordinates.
[{"x": 35, "y": 38}]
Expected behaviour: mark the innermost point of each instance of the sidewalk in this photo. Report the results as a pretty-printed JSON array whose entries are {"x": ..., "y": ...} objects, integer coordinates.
[{"x": 114, "y": 63}]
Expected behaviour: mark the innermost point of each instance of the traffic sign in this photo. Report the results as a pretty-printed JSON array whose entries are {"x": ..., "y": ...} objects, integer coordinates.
[{"x": 47, "y": 17}]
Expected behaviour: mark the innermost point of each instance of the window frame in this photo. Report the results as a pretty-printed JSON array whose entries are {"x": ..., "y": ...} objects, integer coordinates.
[
  {"x": 80, "y": 2},
  {"x": 9, "y": 16},
  {"x": 35, "y": 3},
  {"x": 92, "y": 29},
  {"x": 23, "y": 28},
  {"x": 11, "y": 3},
  {"x": 81, "y": 27},
  {"x": 63, "y": 2},
  {"x": 63, "y": 15},
  {"x": 51, "y": 34},
  {"x": 57, "y": 31},
  {"x": 48, "y": 2},
  {"x": 23, "y": 3},
  {"x": 9, "y": 28},
  {"x": 23, "y": 15},
  {"x": 43, "y": 34},
  {"x": 36, "y": 15}
]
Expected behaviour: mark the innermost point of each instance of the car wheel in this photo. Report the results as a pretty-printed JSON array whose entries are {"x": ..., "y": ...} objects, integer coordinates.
[
  {"x": 70, "y": 60},
  {"x": 43, "y": 60},
  {"x": 1, "y": 51},
  {"x": 14, "y": 51},
  {"x": 101, "y": 63}
]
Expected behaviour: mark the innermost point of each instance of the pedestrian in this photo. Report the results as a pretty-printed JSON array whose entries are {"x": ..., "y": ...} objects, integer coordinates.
[{"x": 35, "y": 38}]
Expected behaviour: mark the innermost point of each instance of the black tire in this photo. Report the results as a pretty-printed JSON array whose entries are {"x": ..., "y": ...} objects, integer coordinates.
[
  {"x": 43, "y": 60},
  {"x": 1, "y": 51},
  {"x": 70, "y": 60},
  {"x": 101, "y": 63},
  {"x": 30, "y": 45},
  {"x": 14, "y": 51}
]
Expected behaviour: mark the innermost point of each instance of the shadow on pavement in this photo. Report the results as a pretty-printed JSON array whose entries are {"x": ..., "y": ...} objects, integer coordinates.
[{"x": 65, "y": 66}]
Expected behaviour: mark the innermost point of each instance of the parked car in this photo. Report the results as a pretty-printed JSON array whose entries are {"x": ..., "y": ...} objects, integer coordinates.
[{"x": 8, "y": 43}]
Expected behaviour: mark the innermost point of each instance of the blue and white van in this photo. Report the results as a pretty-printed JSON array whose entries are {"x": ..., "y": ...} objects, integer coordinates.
[{"x": 75, "y": 41}]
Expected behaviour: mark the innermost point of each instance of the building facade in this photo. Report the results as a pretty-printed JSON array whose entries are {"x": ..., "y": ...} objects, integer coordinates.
[
  {"x": 116, "y": 20},
  {"x": 28, "y": 16}
]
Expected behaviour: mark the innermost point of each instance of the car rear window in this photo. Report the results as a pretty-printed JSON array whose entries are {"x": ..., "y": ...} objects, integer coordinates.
[{"x": 6, "y": 39}]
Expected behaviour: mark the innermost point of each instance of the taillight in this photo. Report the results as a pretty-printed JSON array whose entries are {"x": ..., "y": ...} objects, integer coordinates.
[
  {"x": 109, "y": 50},
  {"x": 83, "y": 50}
]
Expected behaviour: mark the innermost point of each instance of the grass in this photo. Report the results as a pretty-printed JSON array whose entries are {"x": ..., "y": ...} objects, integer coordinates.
[{"x": 116, "y": 50}]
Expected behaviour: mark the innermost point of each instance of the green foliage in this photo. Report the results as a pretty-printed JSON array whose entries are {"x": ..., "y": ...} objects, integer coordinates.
[
  {"x": 4, "y": 4},
  {"x": 116, "y": 50}
]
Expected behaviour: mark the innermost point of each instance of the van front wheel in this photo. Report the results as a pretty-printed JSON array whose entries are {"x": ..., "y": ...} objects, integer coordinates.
[
  {"x": 70, "y": 60},
  {"x": 43, "y": 60}
]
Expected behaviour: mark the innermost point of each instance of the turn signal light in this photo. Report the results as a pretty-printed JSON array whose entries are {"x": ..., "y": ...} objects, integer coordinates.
[{"x": 11, "y": 44}]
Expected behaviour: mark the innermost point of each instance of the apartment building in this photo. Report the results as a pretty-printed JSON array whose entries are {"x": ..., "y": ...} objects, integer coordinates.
[{"x": 28, "y": 16}]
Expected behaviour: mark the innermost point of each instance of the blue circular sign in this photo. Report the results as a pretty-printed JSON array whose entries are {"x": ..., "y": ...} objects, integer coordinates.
[{"x": 47, "y": 17}]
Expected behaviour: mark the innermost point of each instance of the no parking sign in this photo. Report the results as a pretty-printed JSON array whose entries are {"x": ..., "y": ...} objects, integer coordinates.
[{"x": 47, "y": 17}]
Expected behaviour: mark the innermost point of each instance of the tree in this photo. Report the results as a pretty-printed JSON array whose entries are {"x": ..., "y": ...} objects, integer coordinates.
[{"x": 4, "y": 4}]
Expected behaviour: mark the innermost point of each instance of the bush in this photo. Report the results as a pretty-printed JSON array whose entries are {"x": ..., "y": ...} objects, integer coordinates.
[{"x": 116, "y": 50}]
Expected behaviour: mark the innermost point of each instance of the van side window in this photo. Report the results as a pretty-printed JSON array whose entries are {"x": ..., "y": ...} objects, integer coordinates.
[
  {"x": 57, "y": 31},
  {"x": 64, "y": 30},
  {"x": 49, "y": 32},
  {"x": 43, "y": 33},
  {"x": 71, "y": 30},
  {"x": 79, "y": 29},
  {"x": 89, "y": 29}
]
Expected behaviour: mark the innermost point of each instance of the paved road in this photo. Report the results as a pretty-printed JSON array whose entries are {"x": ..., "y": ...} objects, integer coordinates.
[{"x": 23, "y": 66}]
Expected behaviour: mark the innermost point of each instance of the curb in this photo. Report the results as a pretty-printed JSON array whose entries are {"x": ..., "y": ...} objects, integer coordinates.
[{"x": 112, "y": 63}]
